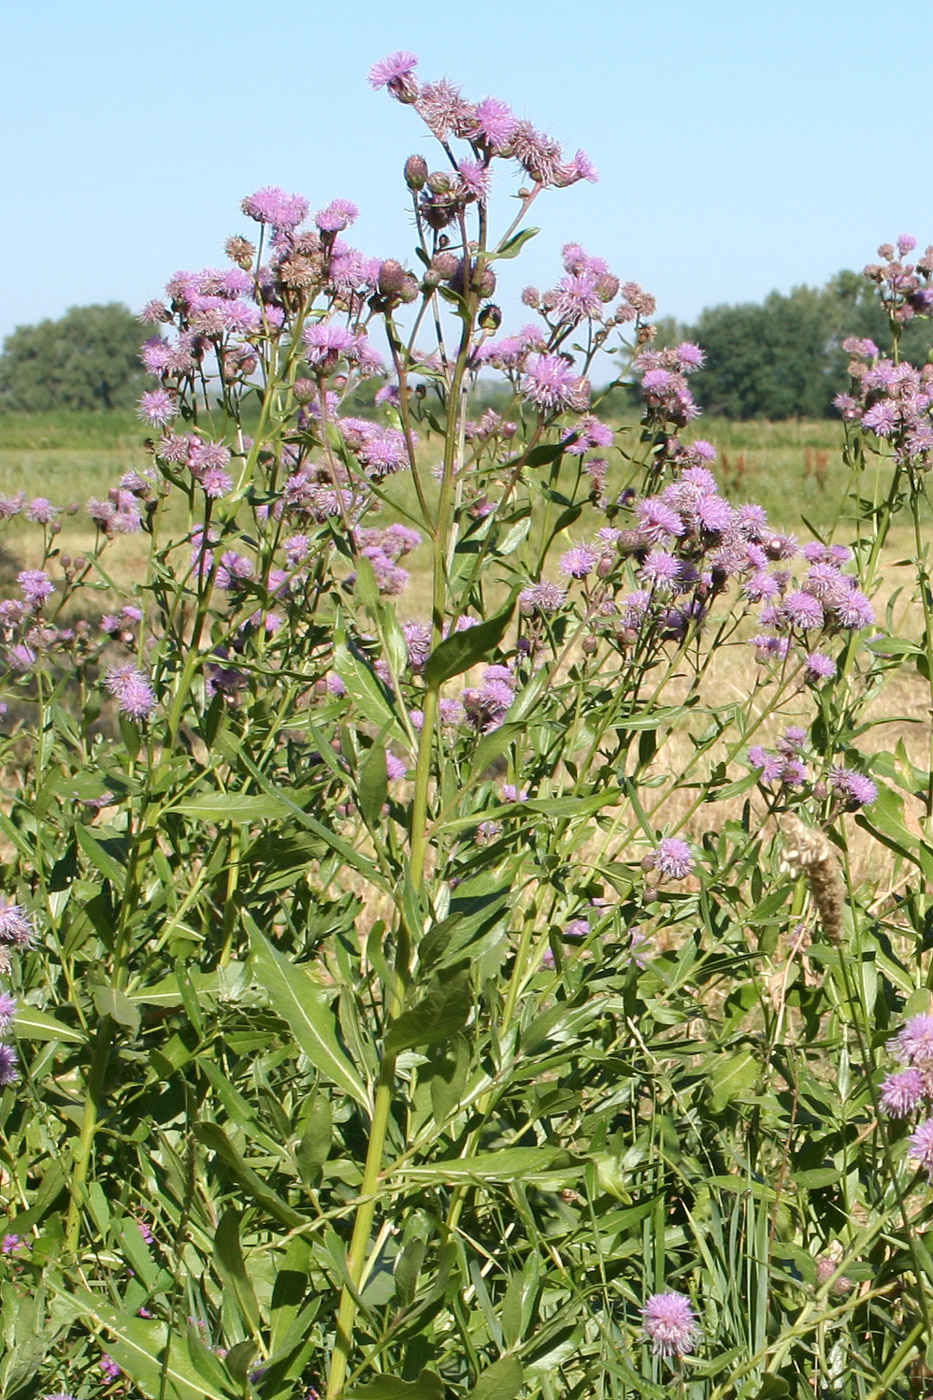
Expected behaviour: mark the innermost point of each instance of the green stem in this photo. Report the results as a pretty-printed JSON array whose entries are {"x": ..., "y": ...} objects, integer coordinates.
[
  {"x": 89, "y": 1124},
  {"x": 362, "y": 1228}
]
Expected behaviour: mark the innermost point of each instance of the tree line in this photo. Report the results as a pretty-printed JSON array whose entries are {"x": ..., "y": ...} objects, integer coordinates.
[{"x": 780, "y": 358}]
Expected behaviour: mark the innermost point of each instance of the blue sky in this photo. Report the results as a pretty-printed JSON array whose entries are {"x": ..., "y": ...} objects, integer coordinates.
[{"x": 743, "y": 145}]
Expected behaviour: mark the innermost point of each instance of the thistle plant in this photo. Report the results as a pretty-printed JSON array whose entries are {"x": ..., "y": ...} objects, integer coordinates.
[{"x": 429, "y": 921}]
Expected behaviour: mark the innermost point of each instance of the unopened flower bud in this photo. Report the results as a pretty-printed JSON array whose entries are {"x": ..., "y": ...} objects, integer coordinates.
[
  {"x": 391, "y": 277},
  {"x": 531, "y": 297},
  {"x": 607, "y": 287},
  {"x": 490, "y": 317},
  {"x": 590, "y": 646},
  {"x": 304, "y": 390},
  {"x": 484, "y": 281},
  {"x": 410, "y": 289},
  {"x": 439, "y": 182},
  {"x": 445, "y": 264},
  {"x": 416, "y": 172},
  {"x": 72, "y": 509},
  {"x": 241, "y": 252}
]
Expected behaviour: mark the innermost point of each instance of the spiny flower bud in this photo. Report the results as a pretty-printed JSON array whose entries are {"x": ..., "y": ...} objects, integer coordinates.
[
  {"x": 490, "y": 317},
  {"x": 416, "y": 172},
  {"x": 391, "y": 277},
  {"x": 304, "y": 390},
  {"x": 240, "y": 251},
  {"x": 445, "y": 264},
  {"x": 439, "y": 182}
]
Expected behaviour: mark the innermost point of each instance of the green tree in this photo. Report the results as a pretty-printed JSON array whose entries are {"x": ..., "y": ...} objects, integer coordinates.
[
  {"x": 767, "y": 361},
  {"x": 88, "y": 359}
]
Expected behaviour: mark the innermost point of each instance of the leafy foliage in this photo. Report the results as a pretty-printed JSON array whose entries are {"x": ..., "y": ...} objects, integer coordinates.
[
  {"x": 88, "y": 358},
  {"x": 404, "y": 1003}
]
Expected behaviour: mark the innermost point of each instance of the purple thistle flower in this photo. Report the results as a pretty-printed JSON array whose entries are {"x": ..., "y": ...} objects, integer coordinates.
[
  {"x": 858, "y": 790},
  {"x": 157, "y": 407},
  {"x": 549, "y": 382},
  {"x": 15, "y": 925},
  {"x": 36, "y": 585},
  {"x": 395, "y": 69},
  {"x": 544, "y": 598},
  {"x": 921, "y": 1146},
  {"x": 9, "y": 1065},
  {"x": 803, "y": 610},
  {"x": 131, "y": 690},
  {"x": 901, "y": 1093},
  {"x": 11, "y": 505},
  {"x": 669, "y": 1324},
  {"x": 657, "y": 520},
  {"x": 8, "y": 1007},
  {"x": 854, "y": 609},
  {"x": 495, "y": 122},
  {"x": 577, "y": 562},
  {"x": 577, "y": 928},
  {"x": 660, "y": 569},
  {"x": 10, "y": 1244},
  {"x": 820, "y": 667},
  {"x": 671, "y": 858},
  {"x": 914, "y": 1042},
  {"x": 271, "y": 205},
  {"x": 338, "y": 215},
  {"x": 42, "y": 511},
  {"x": 770, "y": 764},
  {"x": 396, "y": 767}
]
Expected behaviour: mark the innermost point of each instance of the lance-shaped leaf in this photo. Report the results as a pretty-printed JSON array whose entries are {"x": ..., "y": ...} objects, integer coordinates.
[
  {"x": 440, "y": 1014},
  {"x": 461, "y": 650},
  {"x": 302, "y": 1003}
]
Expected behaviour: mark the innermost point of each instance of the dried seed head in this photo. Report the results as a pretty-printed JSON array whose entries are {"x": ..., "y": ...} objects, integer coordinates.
[{"x": 808, "y": 852}]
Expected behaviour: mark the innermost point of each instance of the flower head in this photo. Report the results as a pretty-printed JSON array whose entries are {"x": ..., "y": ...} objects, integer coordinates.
[
  {"x": 132, "y": 691},
  {"x": 901, "y": 1093},
  {"x": 669, "y": 1324},
  {"x": 671, "y": 858},
  {"x": 921, "y": 1146},
  {"x": 9, "y": 1065}
]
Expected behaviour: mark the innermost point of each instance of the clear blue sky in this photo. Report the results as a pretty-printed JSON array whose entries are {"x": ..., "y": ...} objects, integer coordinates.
[{"x": 743, "y": 144}]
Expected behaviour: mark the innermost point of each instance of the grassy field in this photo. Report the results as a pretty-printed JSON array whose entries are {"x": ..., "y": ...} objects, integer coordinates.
[{"x": 794, "y": 469}]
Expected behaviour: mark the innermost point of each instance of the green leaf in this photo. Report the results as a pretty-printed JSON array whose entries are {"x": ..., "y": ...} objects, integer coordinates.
[
  {"x": 302, "y": 1003},
  {"x": 231, "y": 807},
  {"x": 110, "y": 1001},
  {"x": 229, "y": 1263},
  {"x": 545, "y": 1165},
  {"x": 213, "y": 1137},
  {"x": 501, "y": 1381},
  {"x": 514, "y": 245},
  {"x": 438, "y": 1016},
  {"x": 461, "y": 650},
  {"x": 545, "y": 454},
  {"x": 731, "y": 1077},
  {"x": 364, "y": 686},
  {"x": 101, "y": 854},
  {"x": 37, "y": 1025},
  {"x": 373, "y": 784},
  {"x": 138, "y": 1345},
  {"x": 428, "y": 1386}
]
